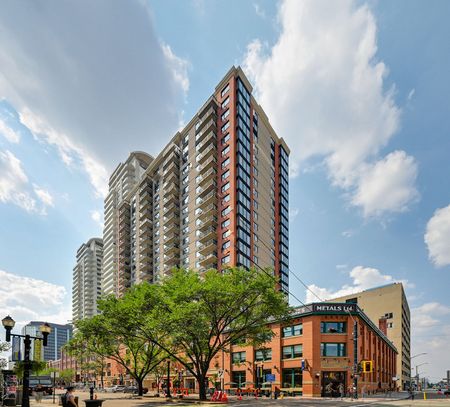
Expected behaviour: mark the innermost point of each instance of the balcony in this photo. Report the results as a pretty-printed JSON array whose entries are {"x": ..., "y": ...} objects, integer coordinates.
[
  {"x": 171, "y": 227},
  {"x": 170, "y": 197},
  {"x": 207, "y": 125},
  {"x": 209, "y": 221},
  {"x": 147, "y": 223},
  {"x": 209, "y": 176},
  {"x": 172, "y": 207},
  {"x": 212, "y": 186},
  {"x": 209, "y": 261},
  {"x": 172, "y": 216},
  {"x": 207, "y": 212},
  {"x": 171, "y": 249},
  {"x": 145, "y": 203},
  {"x": 207, "y": 234},
  {"x": 210, "y": 138},
  {"x": 209, "y": 247},
  {"x": 173, "y": 167},
  {"x": 172, "y": 261},
  {"x": 211, "y": 162},
  {"x": 145, "y": 188},
  {"x": 171, "y": 238},
  {"x": 125, "y": 208},
  {"x": 210, "y": 150}
]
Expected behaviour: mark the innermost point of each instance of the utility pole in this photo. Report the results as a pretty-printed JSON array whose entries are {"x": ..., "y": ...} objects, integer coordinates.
[{"x": 355, "y": 358}]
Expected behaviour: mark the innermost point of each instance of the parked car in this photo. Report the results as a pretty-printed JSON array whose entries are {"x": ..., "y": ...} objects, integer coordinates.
[
  {"x": 118, "y": 388},
  {"x": 134, "y": 390}
]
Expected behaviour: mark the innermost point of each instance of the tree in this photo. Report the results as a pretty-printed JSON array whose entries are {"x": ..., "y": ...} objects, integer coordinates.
[
  {"x": 37, "y": 367},
  {"x": 66, "y": 375},
  {"x": 4, "y": 347},
  {"x": 193, "y": 316},
  {"x": 113, "y": 334}
]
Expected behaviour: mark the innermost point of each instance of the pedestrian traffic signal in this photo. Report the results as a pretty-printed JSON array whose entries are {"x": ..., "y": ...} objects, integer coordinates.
[{"x": 367, "y": 366}]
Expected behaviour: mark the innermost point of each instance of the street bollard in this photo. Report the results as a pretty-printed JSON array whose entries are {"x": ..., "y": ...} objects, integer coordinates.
[{"x": 424, "y": 395}]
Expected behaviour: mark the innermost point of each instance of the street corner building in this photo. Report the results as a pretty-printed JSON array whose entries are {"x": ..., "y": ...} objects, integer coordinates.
[
  {"x": 312, "y": 355},
  {"x": 216, "y": 196}
]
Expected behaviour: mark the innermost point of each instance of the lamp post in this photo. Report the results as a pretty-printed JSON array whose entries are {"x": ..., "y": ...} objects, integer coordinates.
[
  {"x": 417, "y": 373},
  {"x": 411, "y": 358},
  {"x": 168, "y": 395},
  {"x": 45, "y": 329}
]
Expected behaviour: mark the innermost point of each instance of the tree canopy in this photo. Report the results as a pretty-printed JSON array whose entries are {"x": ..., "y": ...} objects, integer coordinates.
[{"x": 193, "y": 316}]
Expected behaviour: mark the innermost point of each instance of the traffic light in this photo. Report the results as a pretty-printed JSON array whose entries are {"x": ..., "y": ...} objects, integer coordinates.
[{"x": 367, "y": 366}]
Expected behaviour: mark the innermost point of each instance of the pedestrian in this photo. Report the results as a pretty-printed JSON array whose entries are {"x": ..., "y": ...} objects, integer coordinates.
[
  {"x": 341, "y": 390},
  {"x": 68, "y": 399},
  {"x": 38, "y": 393}
]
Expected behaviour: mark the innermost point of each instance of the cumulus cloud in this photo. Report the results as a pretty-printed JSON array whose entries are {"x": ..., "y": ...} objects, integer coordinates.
[
  {"x": 16, "y": 189},
  {"x": 388, "y": 185},
  {"x": 11, "y": 135},
  {"x": 27, "y": 299},
  {"x": 363, "y": 278},
  {"x": 324, "y": 89},
  {"x": 94, "y": 81},
  {"x": 97, "y": 217},
  {"x": 437, "y": 237}
]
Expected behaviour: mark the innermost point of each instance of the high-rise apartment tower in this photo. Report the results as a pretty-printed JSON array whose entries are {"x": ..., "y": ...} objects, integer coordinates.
[
  {"x": 86, "y": 289},
  {"x": 215, "y": 197}
]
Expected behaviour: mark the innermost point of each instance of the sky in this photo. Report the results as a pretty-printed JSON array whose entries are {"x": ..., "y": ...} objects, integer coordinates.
[{"x": 358, "y": 89}]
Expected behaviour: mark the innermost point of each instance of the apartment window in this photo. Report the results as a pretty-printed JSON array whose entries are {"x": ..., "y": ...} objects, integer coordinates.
[
  {"x": 333, "y": 327},
  {"x": 225, "y": 127},
  {"x": 255, "y": 259},
  {"x": 226, "y": 174},
  {"x": 262, "y": 355},
  {"x": 225, "y": 162},
  {"x": 185, "y": 200},
  {"x": 225, "y": 114},
  {"x": 226, "y": 198},
  {"x": 292, "y": 352},
  {"x": 226, "y": 245},
  {"x": 239, "y": 378},
  {"x": 389, "y": 315},
  {"x": 226, "y": 138},
  {"x": 225, "y": 90},
  {"x": 238, "y": 357},
  {"x": 333, "y": 349},
  {"x": 225, "y": 259},
  {"x": 293, "y": 330},
  {"x": 225, "y": 187},
  {"x": 255, "y": 227},
  {"x": 226, "y": 223},
  {"x": 185, "y": 190},
  {"x": 226, "y": 211},
  {"x": 226, "y": 234},
  {"x": 390, "y": 324},
  {"x": 225, "y": 151},
  {"x": 225, "y": 102}
]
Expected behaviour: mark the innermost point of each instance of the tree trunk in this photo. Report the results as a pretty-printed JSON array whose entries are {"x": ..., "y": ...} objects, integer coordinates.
[
  {"x": 202, "y": 387},
  {"x": 140, "y": 386}
]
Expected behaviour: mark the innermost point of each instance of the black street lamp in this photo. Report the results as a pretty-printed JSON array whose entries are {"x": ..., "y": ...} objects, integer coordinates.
[
  {"x": 45, "y": 329},
  {"x": 168, "y": 395}
]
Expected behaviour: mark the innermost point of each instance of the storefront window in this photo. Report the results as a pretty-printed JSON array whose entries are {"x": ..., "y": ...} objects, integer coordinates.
[
  {"x": 291, "y": 378},
  {"x": 238, "y": 378}
]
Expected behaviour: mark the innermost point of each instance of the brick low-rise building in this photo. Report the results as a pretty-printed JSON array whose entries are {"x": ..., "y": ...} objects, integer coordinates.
[{"x": 312, "y": 355}]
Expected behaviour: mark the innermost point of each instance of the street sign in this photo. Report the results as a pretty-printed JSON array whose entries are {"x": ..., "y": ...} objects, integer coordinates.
[{"x": 270, "y": 377}]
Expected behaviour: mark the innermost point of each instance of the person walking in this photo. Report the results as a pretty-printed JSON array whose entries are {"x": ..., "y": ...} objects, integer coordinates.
[
  {"x": 341, "y": 390},
  {"x": 38, "y": 393},
  {"x": 68, "y": 399}
]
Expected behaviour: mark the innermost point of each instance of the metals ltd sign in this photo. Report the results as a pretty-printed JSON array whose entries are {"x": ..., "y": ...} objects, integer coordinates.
[{"x": 333, "y": 308}]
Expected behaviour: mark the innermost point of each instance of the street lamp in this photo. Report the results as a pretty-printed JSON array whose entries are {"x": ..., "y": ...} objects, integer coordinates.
[
  {"x": 168, "y": 395},
  {"x": 8, "y": 323},
  {"x": 419, "y": 354},
  {"x": 417, "y": 373}
]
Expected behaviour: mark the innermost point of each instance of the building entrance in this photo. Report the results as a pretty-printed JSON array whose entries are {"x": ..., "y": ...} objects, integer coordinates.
[{"x": 333, "y": 383}]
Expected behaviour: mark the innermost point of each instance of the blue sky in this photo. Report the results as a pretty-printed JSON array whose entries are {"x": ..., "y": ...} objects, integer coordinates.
[{"x": 358, "y": 89}]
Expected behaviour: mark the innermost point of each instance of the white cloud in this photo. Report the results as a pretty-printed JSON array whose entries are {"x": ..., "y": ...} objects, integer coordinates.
[
  {"x": 43, "y": 195},
  {"x": 259, "y": 11},
  {"x": 437, "y": 237},
  {"x": 363, "y": 278},
  {"x": 388, "y": 185},
  {"x": 411, "y": 94},
  {"x": 27, "y": 299},
  {"x": 16, "y": 189},
  {"x": 324, "y": 89},
  {"x": 97, "y": 217},
  {"x": 94, "y": 93},
  {"x": 11, "y": 135},
  {"x": 14, "y": 182}
]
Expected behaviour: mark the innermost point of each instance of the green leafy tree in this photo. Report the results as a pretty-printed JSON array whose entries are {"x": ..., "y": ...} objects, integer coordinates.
[
  {"x": 37, "y": 368},
  {"x": 67, "y": 375},
  {"x": 114, "y": 334},
  {"x": 193, "y": 316}
]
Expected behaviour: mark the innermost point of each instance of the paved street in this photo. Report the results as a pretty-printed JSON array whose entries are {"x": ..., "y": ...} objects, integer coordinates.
[{"x": 123, "y": 400}]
